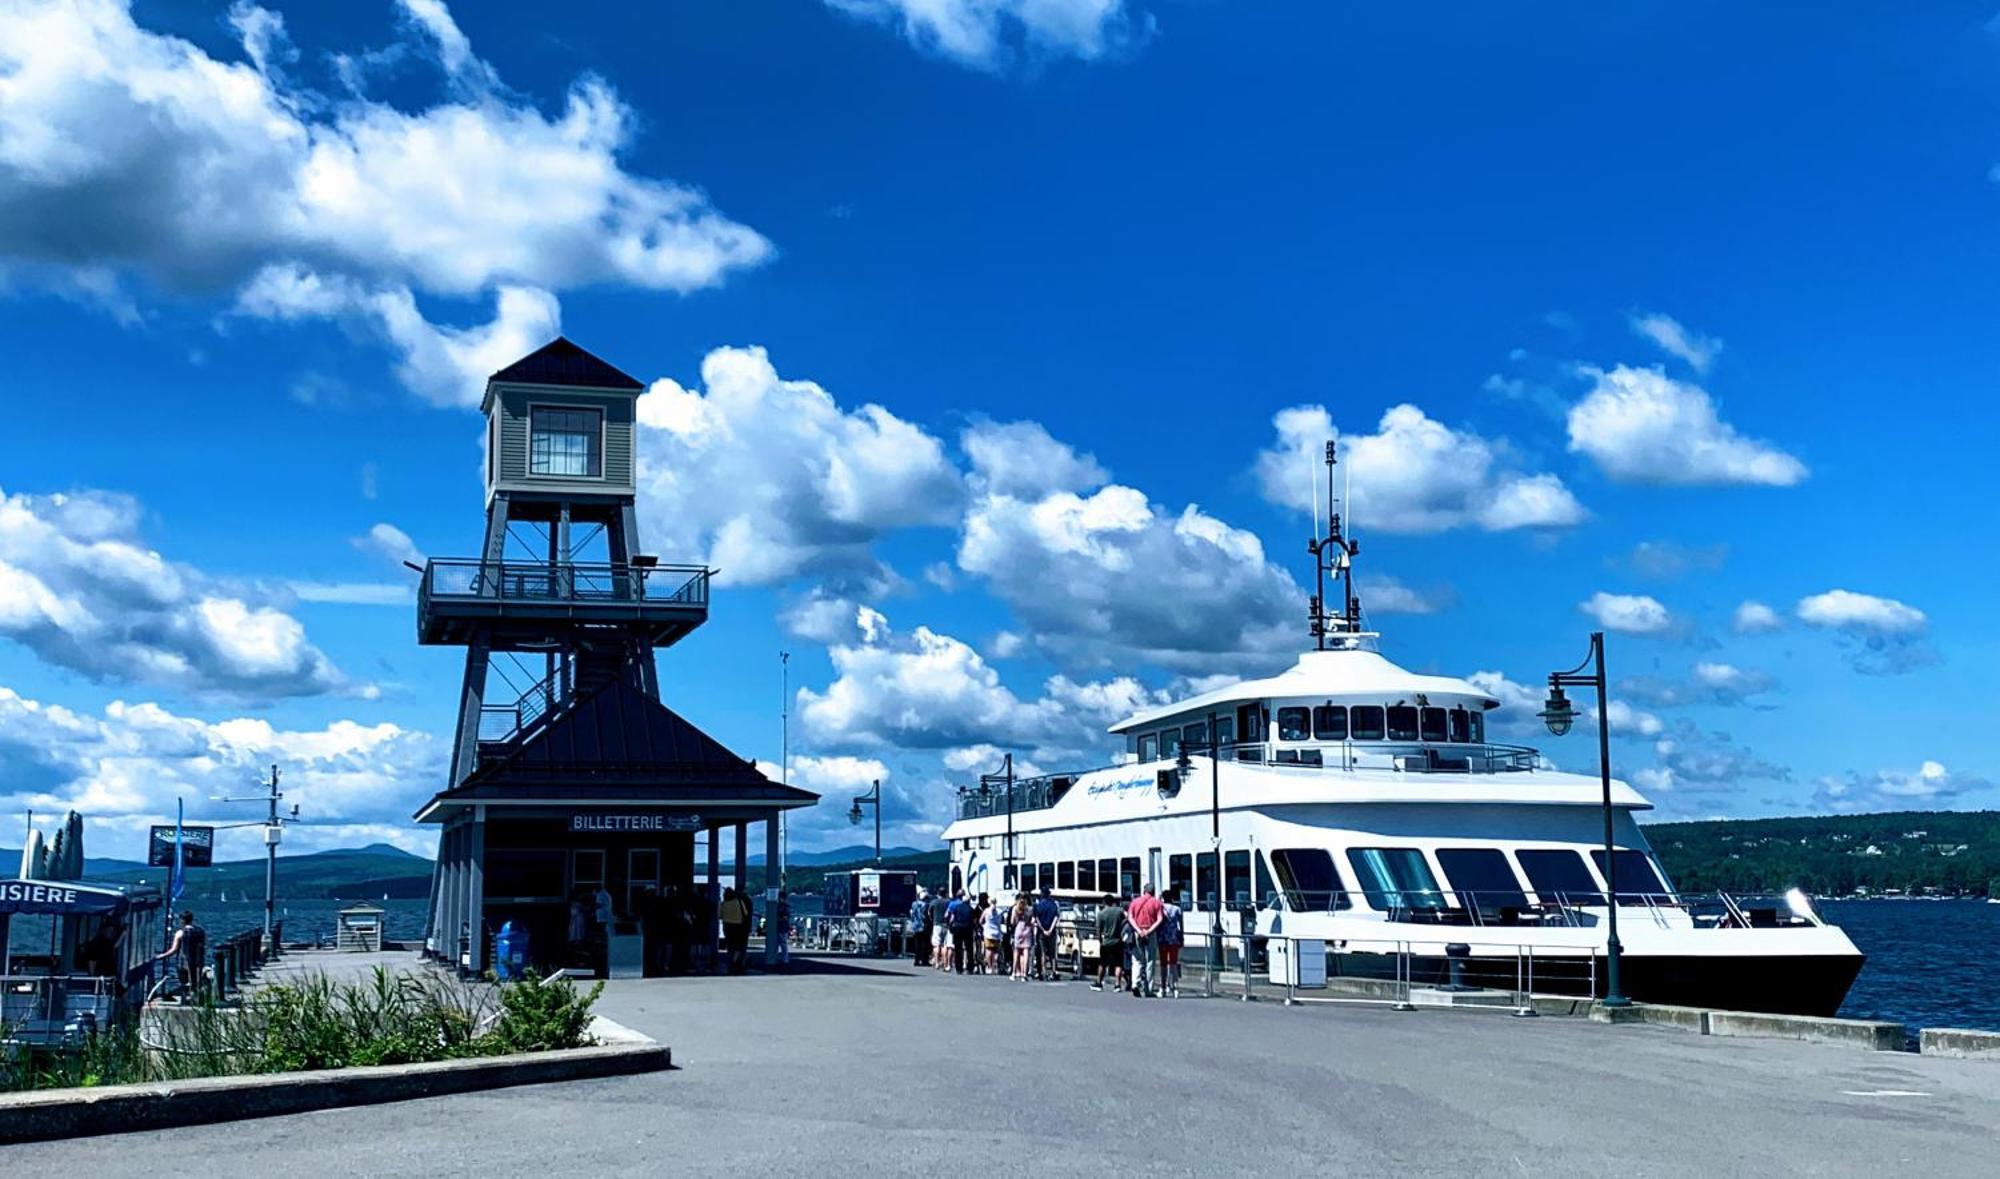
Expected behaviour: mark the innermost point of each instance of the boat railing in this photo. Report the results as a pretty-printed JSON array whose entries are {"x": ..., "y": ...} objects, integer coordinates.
[
  {"x": 47, "y": 1009},
  {"x": 1410, "y": 757},
  {"x": 1503, "y": 907}
]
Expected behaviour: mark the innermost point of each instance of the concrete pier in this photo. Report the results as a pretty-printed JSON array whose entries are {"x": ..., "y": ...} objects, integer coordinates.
[{"x": 872, "y": 1067}]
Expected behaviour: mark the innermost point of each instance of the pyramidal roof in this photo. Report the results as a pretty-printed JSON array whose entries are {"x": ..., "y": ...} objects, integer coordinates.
[
  {"x": 561, "y": 362},
  {"x": 619, "y": 741}
]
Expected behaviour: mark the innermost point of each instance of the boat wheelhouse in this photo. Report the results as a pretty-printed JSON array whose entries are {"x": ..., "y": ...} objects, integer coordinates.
[{"x": 1352, "y": 801}]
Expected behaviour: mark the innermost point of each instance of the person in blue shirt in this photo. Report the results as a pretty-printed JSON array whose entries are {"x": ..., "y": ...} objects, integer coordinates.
[
  {"x": 1046, "y": 915},
  {"x": 960, "y": 917},
  {"x": 918, "y": 929}
]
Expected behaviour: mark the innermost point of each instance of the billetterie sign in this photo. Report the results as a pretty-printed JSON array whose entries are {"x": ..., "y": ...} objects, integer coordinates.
[{"x": 599, "y": 823}]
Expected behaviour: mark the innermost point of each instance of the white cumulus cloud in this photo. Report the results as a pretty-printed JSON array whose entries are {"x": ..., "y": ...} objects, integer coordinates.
[
  {"x": 1675, "y": 339},
  {"x": 1886, "y": 637},
  {"x": 80, "y": 587},
  {"x": 993, "y": 34},
  {"x": 126, "y": 152},
  {"x": 1755, "y": 618},
  {"x": 1642, "y": 426},
  {"x": 1629, "y": 614},
  {"x": 1414, "y": 474},
  {"x": 125, "y": 767},
  {"x": 810, "y": 486},
  {"x": 1931, "y": 785}
]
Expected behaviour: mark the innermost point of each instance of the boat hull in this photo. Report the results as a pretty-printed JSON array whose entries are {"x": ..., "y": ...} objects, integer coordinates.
[{"x": 1791, "y": 984}]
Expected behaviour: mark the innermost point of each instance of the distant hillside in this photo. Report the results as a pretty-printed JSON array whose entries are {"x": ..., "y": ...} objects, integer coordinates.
[
  {"x": 347, "y": 873},
  {"x": 931, "y": 867},
  {"x": 1948, "y": 852}
]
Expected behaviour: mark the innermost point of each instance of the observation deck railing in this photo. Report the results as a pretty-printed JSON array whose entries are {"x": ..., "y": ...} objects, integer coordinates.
[{"x": 562, "y": 582}]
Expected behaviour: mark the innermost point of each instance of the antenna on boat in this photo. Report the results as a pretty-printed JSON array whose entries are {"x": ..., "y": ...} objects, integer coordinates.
[{"x": 1333, "y": 553}]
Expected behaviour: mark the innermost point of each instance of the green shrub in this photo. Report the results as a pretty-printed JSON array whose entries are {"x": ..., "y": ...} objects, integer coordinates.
[{"x": 539, "y": 1016}]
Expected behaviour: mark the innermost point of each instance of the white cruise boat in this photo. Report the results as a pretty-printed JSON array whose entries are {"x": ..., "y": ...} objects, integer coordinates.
[{"x": 1350, "y": 800}]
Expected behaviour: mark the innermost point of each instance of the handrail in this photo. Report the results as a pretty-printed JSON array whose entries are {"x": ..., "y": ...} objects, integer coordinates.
[
  {"x": 1031, "y": 794},
  {"x": 463, "y": 578}
]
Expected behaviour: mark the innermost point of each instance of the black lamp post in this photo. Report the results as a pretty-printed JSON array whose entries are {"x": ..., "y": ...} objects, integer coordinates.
[
  {"x": 871, "y": 799},
  {"x": 1560, "y": 715}
]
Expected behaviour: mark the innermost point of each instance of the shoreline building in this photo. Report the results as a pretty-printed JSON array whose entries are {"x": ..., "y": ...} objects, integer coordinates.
[{"x": 570, "y": 779}]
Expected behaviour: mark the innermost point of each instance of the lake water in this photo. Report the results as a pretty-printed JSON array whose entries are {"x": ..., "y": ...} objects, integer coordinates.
[{"x": 1930, "y": 963}]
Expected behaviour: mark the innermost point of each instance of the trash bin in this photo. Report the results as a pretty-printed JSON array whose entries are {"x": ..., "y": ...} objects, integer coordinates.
[{"x": 510, "y": 951}]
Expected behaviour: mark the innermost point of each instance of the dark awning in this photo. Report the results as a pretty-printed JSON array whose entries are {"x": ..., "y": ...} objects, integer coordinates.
[{"x": 64, "y": 898}]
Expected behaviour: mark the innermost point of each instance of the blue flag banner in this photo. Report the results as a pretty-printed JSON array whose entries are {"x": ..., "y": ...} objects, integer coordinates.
[{"x": 179, "y": 879}]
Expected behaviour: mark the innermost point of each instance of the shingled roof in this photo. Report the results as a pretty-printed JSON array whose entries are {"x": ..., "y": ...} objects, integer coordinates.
[{"x": 560, "y": 362}]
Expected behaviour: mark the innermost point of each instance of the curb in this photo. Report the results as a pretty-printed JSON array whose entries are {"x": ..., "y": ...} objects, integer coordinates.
[{"x": 113, "y": 1109}]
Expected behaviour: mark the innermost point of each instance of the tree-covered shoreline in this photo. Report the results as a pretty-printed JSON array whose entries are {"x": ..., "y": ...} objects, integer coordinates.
[{"x": 1948, "y": 853}]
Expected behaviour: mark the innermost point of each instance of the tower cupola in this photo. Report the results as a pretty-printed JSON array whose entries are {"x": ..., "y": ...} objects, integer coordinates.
[{"x": 559, "y": 422}]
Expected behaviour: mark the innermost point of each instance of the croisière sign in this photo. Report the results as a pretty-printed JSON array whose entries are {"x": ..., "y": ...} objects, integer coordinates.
[{"x": 594, "y": 823}]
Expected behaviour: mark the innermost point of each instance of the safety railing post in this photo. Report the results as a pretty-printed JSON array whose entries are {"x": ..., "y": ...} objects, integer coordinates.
[
  {"x": 1291, "y": 971},
  {"x": 1524, "y": 1004},
  {"x": 1402, "y": 987},
  {"x": 1249, "y": 960}
]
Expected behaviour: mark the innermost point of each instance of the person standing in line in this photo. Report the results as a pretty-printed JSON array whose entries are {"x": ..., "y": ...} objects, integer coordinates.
[
  {"x": 736, "y": 929},
  {"x": 1047, "y": 917},
  {"x": 781, "y": 929},
  {"x": 917, "y": 929},
  {"x": 1173, "y": 933},
  {"x": 960, "y": 916},
  {"x": 1110, "y": 944},
  {"x": 940, "y": 932},
  {"x": 1145, "y": 916},
  {"x": 1023, "y": 924},
  {"x": 995, "y": 930}
]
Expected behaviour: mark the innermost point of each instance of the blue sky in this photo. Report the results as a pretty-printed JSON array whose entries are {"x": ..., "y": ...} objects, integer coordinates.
[{"x": 986, "y": 347}]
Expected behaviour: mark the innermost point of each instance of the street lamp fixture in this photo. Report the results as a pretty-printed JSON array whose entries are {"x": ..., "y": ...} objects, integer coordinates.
[
  {"x": 871, "y": 799},
  {"x": 1560, "y": 715}
]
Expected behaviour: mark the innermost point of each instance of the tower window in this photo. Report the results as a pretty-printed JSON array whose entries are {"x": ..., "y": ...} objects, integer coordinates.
[{"x": 566, "y": 442}]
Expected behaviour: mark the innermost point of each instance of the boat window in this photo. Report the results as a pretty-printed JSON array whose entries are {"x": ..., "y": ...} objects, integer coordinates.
[
  {"x": 1402, "y": 723},
  {"x": 1292, "y": 724},
  {"x": 1170, "y": 743},
  {"x": 1180, "y": 877},
  {"x": 1636, "y": 878},
  {"x": 1028, "y": 881},
  {"x": 1395, "y": 878},
  {"x": 1478, "y": 728},
  {"x": 1461, "y": 730},
  {"x": 1558, "y": 876},
  {"x": 1086, "y": 875},
  {"x": 1225, "y": 730},
  {"x": 1309, "y": 879},
  {"x": 1009, "y": 878},
  {"x": 1267, "y": 896},
  {"x": 1195, "y": 736},
  {"x": 1047, "y": 875},
  {"x": 1149, "y": 747},
  {"x": 1433, "y": 724},
  {"x": 1236, "y": 878},
  {"x": 1107, "y": 875},
  {"x": 1066, "y": 874},
  {"x": 1367, "y": 722},
  {"x": 1128, "y": 876},
  {"x": 1204, "y": 881},
  {"x": 1482, "y": 877},
  {"x": 1330, "y": 722}
]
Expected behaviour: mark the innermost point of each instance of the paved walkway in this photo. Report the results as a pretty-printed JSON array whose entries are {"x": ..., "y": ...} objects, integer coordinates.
[{"x": 877, "y": 1069}]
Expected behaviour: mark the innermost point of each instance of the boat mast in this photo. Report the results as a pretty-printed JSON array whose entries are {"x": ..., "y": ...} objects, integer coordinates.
[{"x": 1333, "y": 553}]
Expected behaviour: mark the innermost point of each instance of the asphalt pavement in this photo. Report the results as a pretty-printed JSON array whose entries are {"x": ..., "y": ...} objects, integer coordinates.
[{"x": 859, "y": 1068}]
